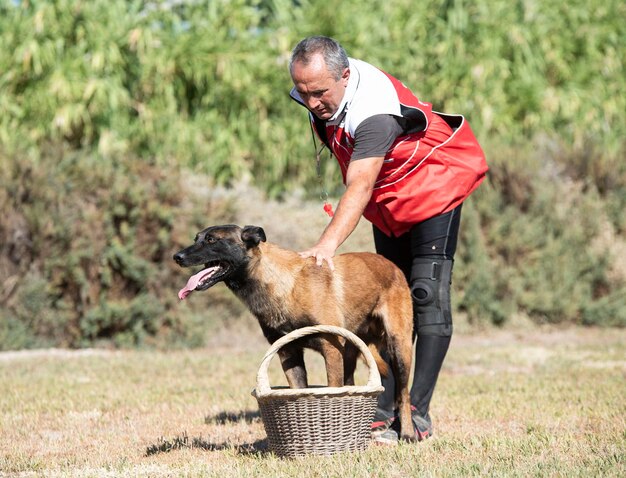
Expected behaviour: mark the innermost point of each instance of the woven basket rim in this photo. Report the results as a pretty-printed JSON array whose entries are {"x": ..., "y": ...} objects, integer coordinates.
[{"x": 318, "y": 391}]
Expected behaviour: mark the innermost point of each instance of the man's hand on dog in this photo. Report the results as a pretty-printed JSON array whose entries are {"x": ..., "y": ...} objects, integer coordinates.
[{"x": 321, "y": 253}]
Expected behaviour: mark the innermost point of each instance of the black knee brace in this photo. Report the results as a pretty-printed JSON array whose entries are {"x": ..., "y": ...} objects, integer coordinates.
[{"x": 430, "y": 290}]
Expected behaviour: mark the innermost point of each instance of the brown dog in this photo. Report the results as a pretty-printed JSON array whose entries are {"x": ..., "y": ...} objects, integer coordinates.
[{"x": 366, "y": 294}]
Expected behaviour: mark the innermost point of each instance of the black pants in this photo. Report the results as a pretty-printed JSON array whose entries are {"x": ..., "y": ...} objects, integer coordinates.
[{"x": 435, "y": 238}]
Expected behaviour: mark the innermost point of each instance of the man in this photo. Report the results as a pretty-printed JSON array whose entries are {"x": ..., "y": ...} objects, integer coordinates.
[{"x": 408, "y": 170}]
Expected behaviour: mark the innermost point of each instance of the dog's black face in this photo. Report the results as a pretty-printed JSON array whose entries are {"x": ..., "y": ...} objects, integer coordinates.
[{"x": 222, "y": 250}]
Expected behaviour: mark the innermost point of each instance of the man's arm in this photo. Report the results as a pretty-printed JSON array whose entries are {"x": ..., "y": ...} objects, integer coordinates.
[{"x": 360, "y": 179}]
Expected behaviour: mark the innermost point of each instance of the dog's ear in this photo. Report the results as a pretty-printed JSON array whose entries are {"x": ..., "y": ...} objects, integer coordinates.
[{"x": 252, "y": 235}]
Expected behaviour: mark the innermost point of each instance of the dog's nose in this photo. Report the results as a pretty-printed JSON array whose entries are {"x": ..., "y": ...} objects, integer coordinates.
[{"x": 178, "y": 257}]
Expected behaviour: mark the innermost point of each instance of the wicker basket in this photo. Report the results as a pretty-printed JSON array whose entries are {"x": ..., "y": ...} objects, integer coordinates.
[{"x": 317, "y": 420}]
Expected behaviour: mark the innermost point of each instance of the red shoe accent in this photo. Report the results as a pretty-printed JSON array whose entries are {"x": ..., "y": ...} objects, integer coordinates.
[{"x": 378, "y": 424}]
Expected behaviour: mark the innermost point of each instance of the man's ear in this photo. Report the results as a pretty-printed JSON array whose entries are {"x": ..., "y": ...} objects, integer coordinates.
[
  {"x": 345, "y": 76},
  {"x": 252, "y": 236}
]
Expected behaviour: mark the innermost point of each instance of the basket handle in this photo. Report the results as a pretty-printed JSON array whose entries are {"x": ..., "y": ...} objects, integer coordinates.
[{"x": 263, "y": 385}]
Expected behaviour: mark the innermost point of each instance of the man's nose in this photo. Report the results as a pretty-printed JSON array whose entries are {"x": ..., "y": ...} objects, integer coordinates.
[{"x": 312, "y": 103}]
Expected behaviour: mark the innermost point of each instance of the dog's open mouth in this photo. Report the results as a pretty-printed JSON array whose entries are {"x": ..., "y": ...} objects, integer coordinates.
[{"x": 207, "y": 277}]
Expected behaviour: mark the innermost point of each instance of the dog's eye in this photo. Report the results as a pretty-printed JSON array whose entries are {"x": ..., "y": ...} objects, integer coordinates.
[{"x": 210, "y": 240}]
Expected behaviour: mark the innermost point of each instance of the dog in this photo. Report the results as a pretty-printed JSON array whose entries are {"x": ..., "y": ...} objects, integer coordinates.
[{"x": 366, "y": 294}]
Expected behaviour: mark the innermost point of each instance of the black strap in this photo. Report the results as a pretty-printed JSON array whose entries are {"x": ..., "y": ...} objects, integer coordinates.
[
  {"x": 320, "y": 128},
  {"x": 426, "y": 270}
]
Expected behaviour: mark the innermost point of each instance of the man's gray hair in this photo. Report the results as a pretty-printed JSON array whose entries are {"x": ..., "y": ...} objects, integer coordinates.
[{"x": 333, "y": 53}]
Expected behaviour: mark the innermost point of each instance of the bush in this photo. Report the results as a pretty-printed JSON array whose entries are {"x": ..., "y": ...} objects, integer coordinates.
[
  {"x": 537, "y": 242},
  {"x": 83, "y": 231}
]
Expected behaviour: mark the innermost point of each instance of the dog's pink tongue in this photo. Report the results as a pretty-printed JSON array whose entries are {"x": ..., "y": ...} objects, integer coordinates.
[{"x": 193, "y": 282}]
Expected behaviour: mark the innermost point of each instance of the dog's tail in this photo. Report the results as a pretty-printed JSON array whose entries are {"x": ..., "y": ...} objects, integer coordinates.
[{"x": 383, "y": 368}]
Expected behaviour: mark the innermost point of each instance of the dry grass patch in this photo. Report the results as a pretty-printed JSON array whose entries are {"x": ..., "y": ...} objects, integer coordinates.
[{"x": 535, "y": 403}]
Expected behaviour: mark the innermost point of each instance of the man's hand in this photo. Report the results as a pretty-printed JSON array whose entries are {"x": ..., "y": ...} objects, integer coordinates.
[{"x": 321, "y": 253}]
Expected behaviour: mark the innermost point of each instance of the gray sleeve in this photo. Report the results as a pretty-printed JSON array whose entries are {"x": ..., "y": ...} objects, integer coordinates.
[{"x": 374, "y": 136}]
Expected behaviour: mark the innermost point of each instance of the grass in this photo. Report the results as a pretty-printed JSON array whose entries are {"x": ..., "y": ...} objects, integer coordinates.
[{"x": 508, "y": 403}]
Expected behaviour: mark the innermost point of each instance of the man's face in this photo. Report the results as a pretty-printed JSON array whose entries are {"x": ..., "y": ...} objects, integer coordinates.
[{"x": 319, "y": 90}]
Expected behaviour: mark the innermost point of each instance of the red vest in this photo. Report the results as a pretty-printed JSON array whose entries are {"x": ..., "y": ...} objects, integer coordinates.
[{"x": 425, "y": 173}]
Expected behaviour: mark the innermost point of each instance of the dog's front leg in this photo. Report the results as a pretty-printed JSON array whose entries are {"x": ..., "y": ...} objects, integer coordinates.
[
  {"x": 332, "y": 351},
  {"x": 292, "y": 361}
]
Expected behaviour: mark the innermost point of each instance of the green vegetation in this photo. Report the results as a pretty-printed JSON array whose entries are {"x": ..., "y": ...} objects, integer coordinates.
[{"x": 110, "y": 107}]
